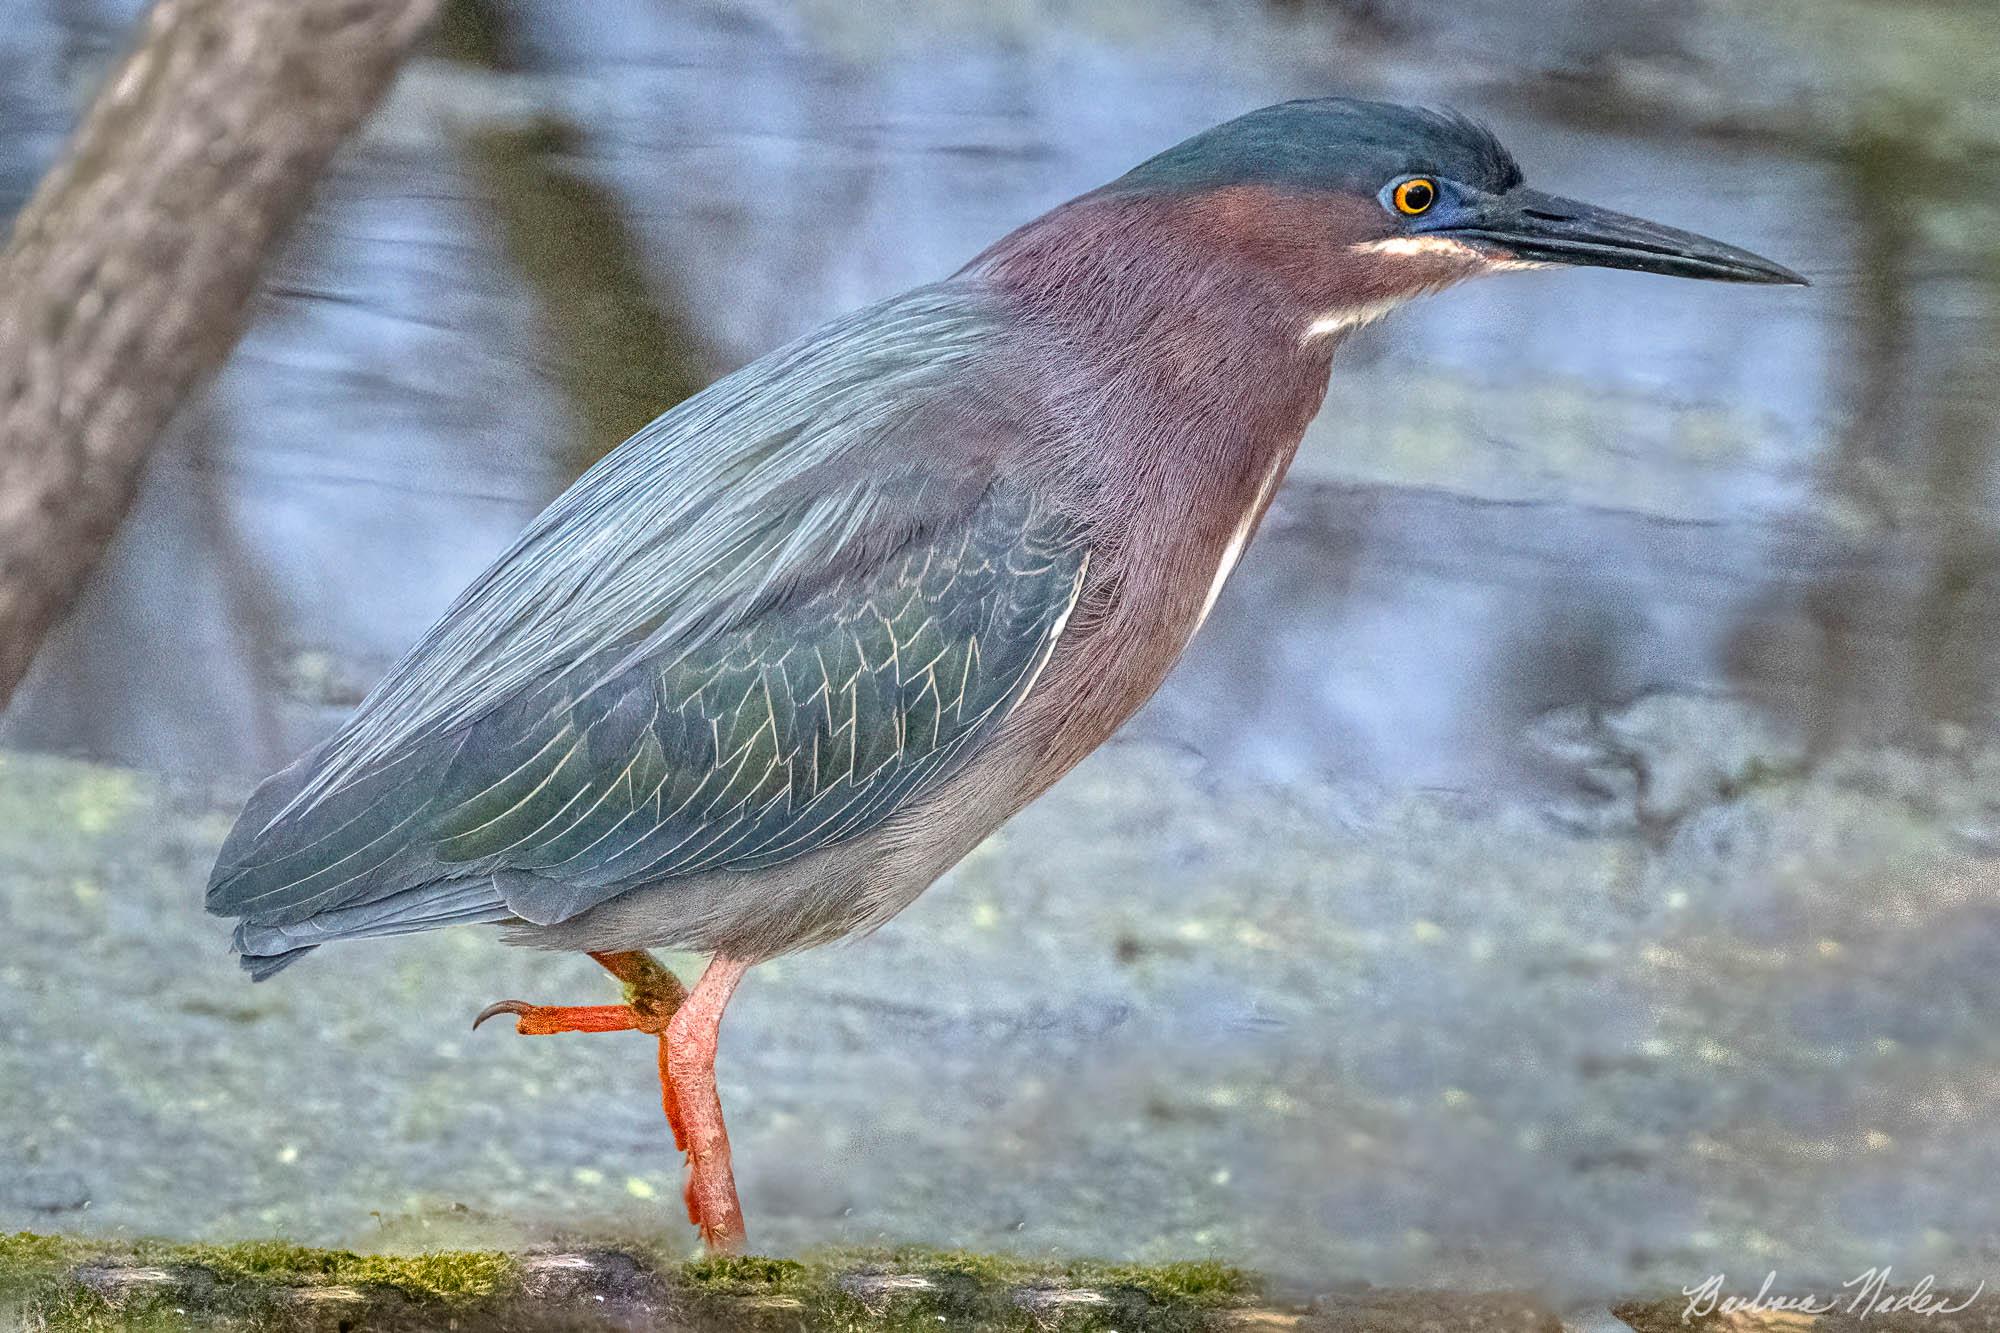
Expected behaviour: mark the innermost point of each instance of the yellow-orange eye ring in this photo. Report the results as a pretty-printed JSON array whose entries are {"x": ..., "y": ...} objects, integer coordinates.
[{"x": 1415, "y": 196}]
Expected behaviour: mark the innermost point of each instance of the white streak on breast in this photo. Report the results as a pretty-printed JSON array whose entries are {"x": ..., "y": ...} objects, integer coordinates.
[
  {"x": 1056, "y": 630},
  {"x": 1234, "y": 551},
  {"x": 1352, "y": 317}
]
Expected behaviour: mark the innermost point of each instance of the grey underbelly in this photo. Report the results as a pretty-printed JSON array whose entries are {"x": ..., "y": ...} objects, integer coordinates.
[{"x": 849, "y": 887}]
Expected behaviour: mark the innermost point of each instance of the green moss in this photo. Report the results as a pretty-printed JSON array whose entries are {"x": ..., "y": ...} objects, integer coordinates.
[
  {"x": 746, "y": 1275},
  {"x": 1202, "y": 1282},
  {"x": 989, "y": 1269},
  {"x": 34, "y": 1292},
  {"x": 248, "y": 1284},
  {"x": 76, "y": 1310},
  {"x": 968, "y": 1290},
  {"x": 31, "y": 1267},
  {"x": 229, "y": 1285},
  {"x": 447, "y": 1276},
  {"x": 24, "y": 1251}
]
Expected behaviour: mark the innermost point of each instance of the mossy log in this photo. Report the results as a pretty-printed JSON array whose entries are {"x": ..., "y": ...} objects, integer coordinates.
[
  {"x": 51, "y": 1282},
  {"x": 60, "y": 1283}
]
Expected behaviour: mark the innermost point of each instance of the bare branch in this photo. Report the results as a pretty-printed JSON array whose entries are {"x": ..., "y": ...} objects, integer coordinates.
[{"x": 130, "y": 272}]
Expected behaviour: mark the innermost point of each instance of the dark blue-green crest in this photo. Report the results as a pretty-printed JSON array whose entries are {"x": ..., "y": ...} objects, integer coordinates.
[{"x": 1331, "y": 143}]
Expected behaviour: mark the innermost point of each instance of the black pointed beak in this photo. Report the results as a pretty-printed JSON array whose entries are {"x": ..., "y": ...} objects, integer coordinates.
[{"x": 1548, "y": 229}]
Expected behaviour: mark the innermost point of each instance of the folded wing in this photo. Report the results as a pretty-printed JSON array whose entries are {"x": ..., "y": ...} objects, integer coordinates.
[{"x": 751, "y": 632}]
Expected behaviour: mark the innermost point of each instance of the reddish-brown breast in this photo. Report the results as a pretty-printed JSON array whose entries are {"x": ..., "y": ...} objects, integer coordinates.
[{"x": 1169, "y": 340}]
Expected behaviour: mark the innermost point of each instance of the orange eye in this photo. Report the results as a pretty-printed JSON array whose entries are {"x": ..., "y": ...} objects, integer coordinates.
[{"x": 1415, "y": 196}]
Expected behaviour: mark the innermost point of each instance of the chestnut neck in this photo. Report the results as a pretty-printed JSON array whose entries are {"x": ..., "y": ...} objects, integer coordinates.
[
  {"x": 1237, "y": 265},
  {"x": 1172, "y": 330},
  {"x": 1166, "y": 336}
]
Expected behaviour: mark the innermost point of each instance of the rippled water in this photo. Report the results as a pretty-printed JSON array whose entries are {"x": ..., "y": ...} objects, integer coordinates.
[{"x": 1530, "y": 492}]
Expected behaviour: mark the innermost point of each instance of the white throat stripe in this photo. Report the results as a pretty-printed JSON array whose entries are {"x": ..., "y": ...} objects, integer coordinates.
[{"x": 1339, "y": 321}]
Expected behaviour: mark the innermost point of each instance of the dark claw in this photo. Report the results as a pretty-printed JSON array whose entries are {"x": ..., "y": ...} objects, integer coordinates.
[{"x": 501, "y": 1007}]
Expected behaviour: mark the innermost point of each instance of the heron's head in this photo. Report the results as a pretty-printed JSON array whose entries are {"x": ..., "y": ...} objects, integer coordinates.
[{"x": 1368, "y": 204}]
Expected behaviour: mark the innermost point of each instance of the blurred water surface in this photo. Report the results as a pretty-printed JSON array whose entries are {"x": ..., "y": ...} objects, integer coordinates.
[
  {"x": 541, "y": 243},
  {"x": 1528, "y": 503}
]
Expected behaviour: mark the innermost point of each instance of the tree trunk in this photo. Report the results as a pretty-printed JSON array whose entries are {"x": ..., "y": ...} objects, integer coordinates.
[{"x": 130, "y": 272}]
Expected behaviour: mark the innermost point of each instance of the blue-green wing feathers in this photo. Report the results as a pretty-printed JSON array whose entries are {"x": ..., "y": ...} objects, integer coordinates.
[
  {"x": 751, "y": 632},
  {"x": 806, "y": 726}
]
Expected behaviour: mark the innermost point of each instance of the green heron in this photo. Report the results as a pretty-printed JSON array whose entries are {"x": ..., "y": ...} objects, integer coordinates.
[{"x": 790, "y": 652}]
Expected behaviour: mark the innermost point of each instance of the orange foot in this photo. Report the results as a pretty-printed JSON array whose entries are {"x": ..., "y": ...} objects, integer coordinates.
[{"x": 687, "y": 1024}]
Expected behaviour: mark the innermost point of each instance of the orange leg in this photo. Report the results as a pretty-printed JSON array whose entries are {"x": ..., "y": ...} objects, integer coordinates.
[
  {"x": 687, "y": 1064},
  {"x": 687, "y": 1024}
]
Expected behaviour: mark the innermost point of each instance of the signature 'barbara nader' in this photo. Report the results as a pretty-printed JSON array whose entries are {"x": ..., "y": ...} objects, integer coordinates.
[{"x": 1869, "y": 1293}]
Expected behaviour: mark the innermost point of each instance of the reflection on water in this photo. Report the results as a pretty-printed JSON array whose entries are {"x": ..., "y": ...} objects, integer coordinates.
[{"x": 1529, "y": 493}]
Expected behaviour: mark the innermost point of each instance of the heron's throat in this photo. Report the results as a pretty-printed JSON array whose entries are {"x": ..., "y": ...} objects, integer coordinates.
[{"x": 1385, "y": 273}]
